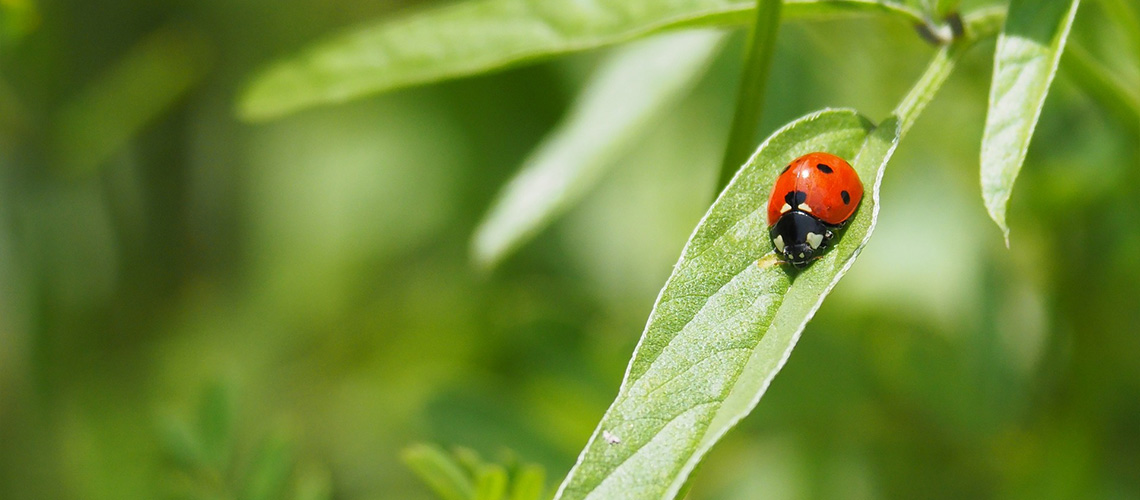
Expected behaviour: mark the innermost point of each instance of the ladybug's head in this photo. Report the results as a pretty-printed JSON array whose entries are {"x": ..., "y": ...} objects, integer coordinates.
[{"x": 798, "y": 237}]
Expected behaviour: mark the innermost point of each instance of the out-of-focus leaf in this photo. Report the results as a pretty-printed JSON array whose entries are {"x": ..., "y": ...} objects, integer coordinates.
[
  {"x": 215, "y": 422},
  {"x": 17, "y": 19},
  {"x": 269, "y": 475},
  {"x": 482, "y": 35},
  {"x": 726, "y": 320},
  {"x": 313, "y": 484},
  {"x": 1103, "y": 87},
  {"x": 105, "y": 115},
  {"x": 470, "y": 459},
  {"x": 752, "y": 89},
  {"x": 1028, "y": 51},
  {"x": 629, "y": 91},
  {"x": 181, "y": 445},
  {"x": 491, "y": 483},
  {"x": 442, "y": 474},
  {"x": 528, "y": 483}
]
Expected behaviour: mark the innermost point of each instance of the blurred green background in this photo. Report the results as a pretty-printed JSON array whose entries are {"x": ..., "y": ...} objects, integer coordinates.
[{"x": 156, "y": 252}]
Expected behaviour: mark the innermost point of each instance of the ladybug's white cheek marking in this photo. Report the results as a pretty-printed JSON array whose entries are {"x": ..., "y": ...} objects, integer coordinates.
[
  {"x": 785, "y": 208},
  {"x": 814, "y": 240},
  {"x": 779, "y": 242},
  {"x": 805, "y": 207}
]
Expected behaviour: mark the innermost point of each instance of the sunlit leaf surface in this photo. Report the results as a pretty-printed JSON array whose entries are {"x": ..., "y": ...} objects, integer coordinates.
[
  {"x": 627, "y": 93},
  {"x": 476, "y": 36},
  {"x": 726, "y": 320},
  {"x": 1028, "y": 51}
]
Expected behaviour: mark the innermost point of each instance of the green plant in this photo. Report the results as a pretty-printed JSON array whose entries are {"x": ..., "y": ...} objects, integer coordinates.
[
  {"x": 207, "y": 462},
  {"x": 727, "y": 319},
  {"x": 464, "y": 475}
]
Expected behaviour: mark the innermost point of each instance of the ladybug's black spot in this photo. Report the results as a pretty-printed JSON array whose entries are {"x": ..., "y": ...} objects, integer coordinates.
[
  {"x": 785, "y": 170},
  {"x": 795, "y": 198},
  {"x": 846, "y": 197},
  {"x": 824, "y": 168}
]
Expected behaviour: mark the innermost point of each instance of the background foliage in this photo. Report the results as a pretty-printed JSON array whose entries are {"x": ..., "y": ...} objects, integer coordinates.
[{"x": 199, "y": 307}]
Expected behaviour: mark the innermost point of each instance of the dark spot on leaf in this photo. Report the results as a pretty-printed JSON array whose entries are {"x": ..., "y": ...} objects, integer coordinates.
[
  {"x": 846, "y": 197},
  {"x": 795, "y": 198},
  {"x": 824, "y": 168}
]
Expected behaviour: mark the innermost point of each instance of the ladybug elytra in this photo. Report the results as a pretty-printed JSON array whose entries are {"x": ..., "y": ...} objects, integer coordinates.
[{"x": 814, "y": 196}]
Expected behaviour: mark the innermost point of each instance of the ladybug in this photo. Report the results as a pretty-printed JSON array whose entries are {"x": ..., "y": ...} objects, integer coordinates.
[{"x": 813, "y": 197}]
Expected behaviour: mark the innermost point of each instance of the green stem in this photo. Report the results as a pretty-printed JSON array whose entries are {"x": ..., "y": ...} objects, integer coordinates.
[
  {"x": 1125, "y": 17},
  {"x": 1102, "y": 86},
  {"x": 978, "y": 25},
  {"x": 750, "y": 99}
]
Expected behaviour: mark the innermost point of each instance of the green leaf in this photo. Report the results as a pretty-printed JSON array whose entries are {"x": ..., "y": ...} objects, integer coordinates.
[
  {"x": 1028, "y": 51},
  {"x": 215, "y": 424},
  {"x": 482, "y": 35},
  {"x": 528, "y": 483},
  {"x": 313, "y": 484},
  {"x": 270, "y": 470},
  {"x": 751, "y": 92},
  {"x": 441, "y": 473},
  {"x": 105, "y": 115},
  {"x": 628, "y": 92},
  {"x": 491, "y": 482},
  {"x": 182, "y": 445},
  {"x": 1103, "y": 86},
  {"x": 726, "y": 320},
  {"x": 17, "y": 19}
]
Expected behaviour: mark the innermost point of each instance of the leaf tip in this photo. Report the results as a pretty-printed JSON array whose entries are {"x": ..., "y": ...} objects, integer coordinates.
[
  {"x": 485, "y": 252},
  {"x": 996, "y": 208}
]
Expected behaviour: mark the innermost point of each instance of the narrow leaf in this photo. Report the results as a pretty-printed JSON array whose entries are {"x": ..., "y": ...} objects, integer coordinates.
[
  {"x": 750, "y": 94},
  {"x": 1103, "y": 86},
  {"x": 108, "y": 113},
  {"x": 270, "y": 470},
  {"x": 182, "y": 445},
  {"x": 442, "y": 474},
  {"x": 628, "y": 92},
  {"x": 528, "y": 483},
  {"x": 483, "y": 35},
  {"x": 313, "y": 484},
  {"x": 491, "y": 483},
  {"x": 1028, "y": 51},
  {"x": 215, "y": 423},
  {"x": 726, "y": 320}
]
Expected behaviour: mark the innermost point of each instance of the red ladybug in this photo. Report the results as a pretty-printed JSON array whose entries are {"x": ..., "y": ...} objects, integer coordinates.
[{"x": 815, "y": 194}]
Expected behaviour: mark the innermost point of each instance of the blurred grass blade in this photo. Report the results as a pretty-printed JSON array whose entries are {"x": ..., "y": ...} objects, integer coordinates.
[
  {"x": 750, "y": 95},
  {"x": 1028, "y": 51},
  {"x": 181, "y": 445},
  {"x": 1103, "y": 86},
  {"x": 491, "y": 483},
  {"x": 17, "y": 19},
  {"x": 105, "y": 115},
  {"x": 483, "y": 35},
  {"x": 469, "y": 459},
  {"x": 628, "y": 92},
  {"x": 313, "y": 484},
  {"x": 442, "y": 474},
  {"x": 269, "y": 475},
  {"x": 724, "y": 323},
  {"x": 215, "y": 423},
  {"x": 528, "y": 483}
]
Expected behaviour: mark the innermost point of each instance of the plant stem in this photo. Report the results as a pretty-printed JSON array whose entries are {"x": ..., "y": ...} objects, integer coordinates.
[
  {"x": 1102, "y": 86},
  {"x": 750, "y": 99},
  {"x": 978, "y": 25}
]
